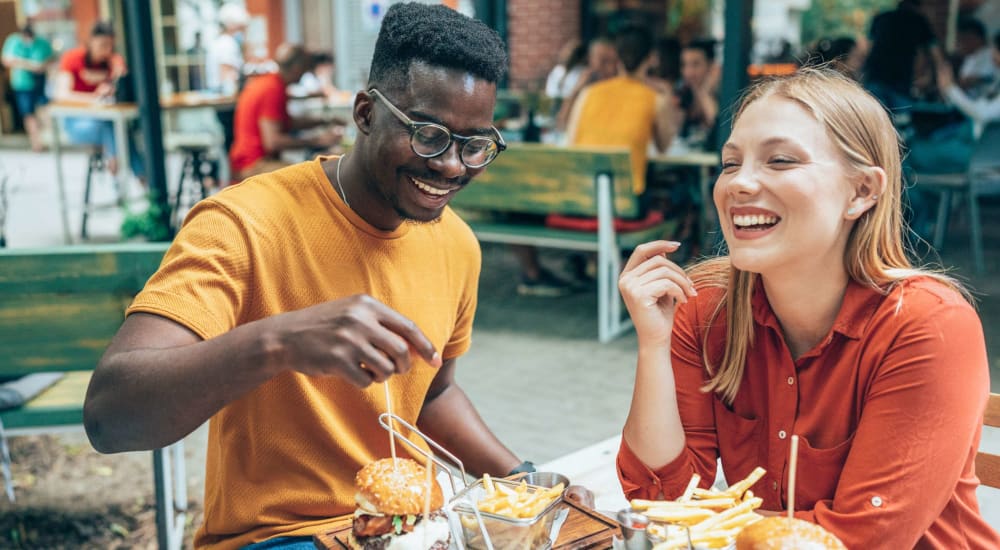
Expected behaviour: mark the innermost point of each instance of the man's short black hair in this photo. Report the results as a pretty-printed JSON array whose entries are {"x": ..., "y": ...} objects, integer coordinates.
[
  {"x": 633, "y": 44},
  {"x": 102, "y": 28},
  {"x": 436, "y": 35},
  {"x": 705, "y": 45}
]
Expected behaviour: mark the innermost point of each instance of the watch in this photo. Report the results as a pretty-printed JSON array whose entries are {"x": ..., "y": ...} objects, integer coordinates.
[{"x": 525, "y": 467}]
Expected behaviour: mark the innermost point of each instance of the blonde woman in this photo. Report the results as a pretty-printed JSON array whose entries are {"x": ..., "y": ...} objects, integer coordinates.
[{"x": 817, "y": 325}]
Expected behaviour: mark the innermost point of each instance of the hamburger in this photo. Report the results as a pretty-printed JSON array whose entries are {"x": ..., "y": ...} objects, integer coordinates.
[
  {"x": 782, "y": 533},
  {"x": 390, "y": 501}
]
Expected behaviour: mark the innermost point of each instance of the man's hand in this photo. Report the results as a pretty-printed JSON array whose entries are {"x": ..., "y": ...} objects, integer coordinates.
[{"x": 358, "y": 338}]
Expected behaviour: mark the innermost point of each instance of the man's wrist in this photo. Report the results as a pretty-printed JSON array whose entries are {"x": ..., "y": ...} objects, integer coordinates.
[{"x": 525, "y": 467}]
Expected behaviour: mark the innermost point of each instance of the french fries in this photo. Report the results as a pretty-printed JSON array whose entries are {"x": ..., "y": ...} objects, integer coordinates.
[
  {"x": 523, "y": 501},
  {"x": 711, "y": 518}
]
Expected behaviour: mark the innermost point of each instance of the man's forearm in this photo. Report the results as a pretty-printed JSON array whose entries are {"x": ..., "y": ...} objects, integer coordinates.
[
  {"x": 148, "y": 398},
  {"x": 452, "y": 421}
]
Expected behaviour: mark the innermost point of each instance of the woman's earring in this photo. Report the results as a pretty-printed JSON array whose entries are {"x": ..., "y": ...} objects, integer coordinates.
[{"x": 852, "y": 210}]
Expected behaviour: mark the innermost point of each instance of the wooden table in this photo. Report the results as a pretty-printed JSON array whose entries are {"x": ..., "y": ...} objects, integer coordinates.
[
  {"x": 197, "y": 100},
  {"x": 583, "y": 529},
  {"x": 119, "y": 114},
  {"x": 703, "y": 161}
]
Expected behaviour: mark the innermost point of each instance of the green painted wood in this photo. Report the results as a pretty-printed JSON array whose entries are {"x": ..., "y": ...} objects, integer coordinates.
[
  {"x": 541, "y": 179},
  {"x": 59, "y": 405},
  {"x": 59, "y": 309},
  {"x": 43, "y": 418},
  {"x": 46, "y": 332},
  {"x": 626, "y": 241},
  {"x": 121, "y": 267}
]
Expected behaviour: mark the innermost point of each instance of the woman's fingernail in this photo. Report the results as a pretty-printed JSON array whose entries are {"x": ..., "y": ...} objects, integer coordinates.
[{"x": 673, "y": 243}]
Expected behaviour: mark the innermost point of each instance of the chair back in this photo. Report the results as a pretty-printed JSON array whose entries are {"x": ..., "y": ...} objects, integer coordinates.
[{"x": 988, "y": 464}]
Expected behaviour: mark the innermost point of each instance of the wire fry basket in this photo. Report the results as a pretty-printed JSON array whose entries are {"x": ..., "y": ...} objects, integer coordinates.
[{"x": 388, "y": 422}]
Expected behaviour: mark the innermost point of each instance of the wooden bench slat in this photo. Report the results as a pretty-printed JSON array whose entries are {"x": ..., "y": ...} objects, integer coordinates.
[
  {"x": 59, "y": 405},
  {"x": 97, "y": 268},
  {"x": 540, "y": 179},
  {"x": 46, "y": 332}
]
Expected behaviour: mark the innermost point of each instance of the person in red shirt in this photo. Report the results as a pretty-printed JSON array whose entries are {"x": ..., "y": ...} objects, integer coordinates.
[
  {"x": 262, "y": 128},
  {"x": 817, "y": 325},
  {"x": 87, "y": 74}
]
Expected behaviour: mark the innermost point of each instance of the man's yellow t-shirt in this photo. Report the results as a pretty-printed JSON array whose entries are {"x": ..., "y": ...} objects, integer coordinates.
[{"x": 281, "y": 460}]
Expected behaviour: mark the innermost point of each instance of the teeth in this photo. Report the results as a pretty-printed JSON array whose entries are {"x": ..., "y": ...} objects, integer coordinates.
[
  {"x": 756, "y": 219},
  {"x": 428, "y": 189}
]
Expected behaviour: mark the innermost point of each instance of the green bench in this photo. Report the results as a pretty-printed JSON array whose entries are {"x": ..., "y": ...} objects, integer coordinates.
[
  {"x": 543, "y": 179},
  {"x": 59, "y": 308}
]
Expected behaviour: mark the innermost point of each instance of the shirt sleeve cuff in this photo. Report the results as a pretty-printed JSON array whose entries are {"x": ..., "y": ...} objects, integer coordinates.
[{"x": 641, "y": 481}]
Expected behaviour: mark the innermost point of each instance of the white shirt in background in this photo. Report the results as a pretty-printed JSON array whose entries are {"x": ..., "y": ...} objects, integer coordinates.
[{"x": 224, "y": 50}]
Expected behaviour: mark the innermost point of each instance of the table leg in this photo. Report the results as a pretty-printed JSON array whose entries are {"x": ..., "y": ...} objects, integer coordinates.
[{"x": 60, "y": 181}]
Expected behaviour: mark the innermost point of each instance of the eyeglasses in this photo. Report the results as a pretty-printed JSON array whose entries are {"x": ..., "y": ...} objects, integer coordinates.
[{"x": 429, "y": 140}]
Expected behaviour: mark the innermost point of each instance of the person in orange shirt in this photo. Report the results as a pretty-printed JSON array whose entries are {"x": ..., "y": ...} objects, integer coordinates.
[
  {"x": 288, "y": 305},
  {"x": 262, "y": 128},
  {"x": 816, "y": 325}
]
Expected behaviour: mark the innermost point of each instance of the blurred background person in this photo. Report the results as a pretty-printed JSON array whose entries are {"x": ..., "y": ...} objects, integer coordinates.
[
  {"x": 619, "y": 111},
  {"x": 318, "y": 80},
  {"x": 262, "y": 126},
  {"x": 564, "y": 76},
  {"x": 624, "y": 109},
  {"x": 224, "y": 58},
  {"x": 698, "y": 94},
  {"x": 981, "y": 110},
  {"x": 664, "y": 74},
  {"x": 88, "y": 74},
  {"x": 26, "y": 55},
  {"x": 844, "y": 54},
  {"x": 901, "y": 40},
  {"x": 976, "y": 69},
  {"x": 602, "y": 63}
]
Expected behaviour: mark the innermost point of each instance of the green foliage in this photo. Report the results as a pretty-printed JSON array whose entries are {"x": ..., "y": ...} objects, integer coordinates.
[
  {"x": 832, "y": 18},
  {"x": 147, "y": 224}
]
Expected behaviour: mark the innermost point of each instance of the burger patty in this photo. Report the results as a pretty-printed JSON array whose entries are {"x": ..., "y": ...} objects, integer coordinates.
[
  {"x": 381, "y": 543},
  {"x": 375, "y": 526}
]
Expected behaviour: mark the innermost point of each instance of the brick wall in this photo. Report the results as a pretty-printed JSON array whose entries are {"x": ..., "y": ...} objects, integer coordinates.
[{"x": 536, "y": 31}]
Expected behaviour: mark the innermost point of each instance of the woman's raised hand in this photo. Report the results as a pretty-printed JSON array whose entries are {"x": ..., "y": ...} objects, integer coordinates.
[{"x": 651, "y": 286}]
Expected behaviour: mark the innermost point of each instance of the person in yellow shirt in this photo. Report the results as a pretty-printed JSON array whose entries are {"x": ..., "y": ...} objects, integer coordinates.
[
  {"x": 626, "y": 110},
  {"x": 622, "y": 110},
  {"x": 288, "y": 300}
]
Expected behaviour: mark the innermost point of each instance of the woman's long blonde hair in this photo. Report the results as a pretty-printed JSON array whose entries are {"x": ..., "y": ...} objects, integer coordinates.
[{"x": 875, "y": 255}]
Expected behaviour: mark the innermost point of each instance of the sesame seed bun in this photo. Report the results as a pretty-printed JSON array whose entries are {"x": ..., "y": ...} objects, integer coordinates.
[
  {"x": 782, "y": 533},
  {"x": 396, "y": 489}
]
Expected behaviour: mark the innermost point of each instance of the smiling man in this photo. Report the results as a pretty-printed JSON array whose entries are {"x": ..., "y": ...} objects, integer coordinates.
[{"x": 286, "y": 302}]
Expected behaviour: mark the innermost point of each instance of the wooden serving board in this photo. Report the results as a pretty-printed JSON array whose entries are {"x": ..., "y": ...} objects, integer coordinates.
[{"x": 584, "y": 529}]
